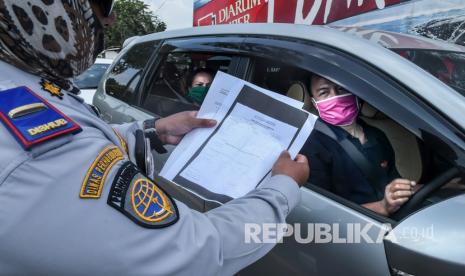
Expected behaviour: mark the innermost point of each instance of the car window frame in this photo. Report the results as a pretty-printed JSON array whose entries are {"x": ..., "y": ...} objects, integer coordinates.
[
  {"x": 392, "y": 94},
  {"x": 122, "y": 54},
  {"x": 197, "y": 44},
  {"x": 426, "y": 50}
]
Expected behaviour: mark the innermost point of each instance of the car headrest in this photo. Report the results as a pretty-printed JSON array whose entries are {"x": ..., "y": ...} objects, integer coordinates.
[
  {"x": 298, "y": 91},
  {"x": 368, "y": 110}
]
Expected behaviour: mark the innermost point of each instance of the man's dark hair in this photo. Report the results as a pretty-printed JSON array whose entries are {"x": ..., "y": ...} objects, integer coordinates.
[{"x": 310, "y": 81}]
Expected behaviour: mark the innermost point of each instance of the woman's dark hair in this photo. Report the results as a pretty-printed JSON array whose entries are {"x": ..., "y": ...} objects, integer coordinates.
[{"x": 199, "y": 71}]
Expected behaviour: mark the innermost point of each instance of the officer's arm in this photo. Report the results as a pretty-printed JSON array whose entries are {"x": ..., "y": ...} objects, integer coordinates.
[
  {"x": 230, "y": 237},
  {"x": 127, "y": 133},
  {"x": 226, "y": 239},
  {"x": 168, "y": 130},
  {"x": 127, "y": 129}
]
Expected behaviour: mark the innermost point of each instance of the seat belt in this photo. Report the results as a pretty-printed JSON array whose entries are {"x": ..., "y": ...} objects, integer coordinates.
[
  {"x": 170, "y": 87},
  {"x": 371, "y": 172}
]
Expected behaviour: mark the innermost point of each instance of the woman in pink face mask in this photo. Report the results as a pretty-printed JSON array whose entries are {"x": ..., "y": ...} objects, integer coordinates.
[{"x": 333, "y": 169}]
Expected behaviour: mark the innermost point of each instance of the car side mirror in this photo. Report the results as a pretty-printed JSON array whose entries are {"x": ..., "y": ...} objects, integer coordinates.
[{"x": 429, "y": 242}]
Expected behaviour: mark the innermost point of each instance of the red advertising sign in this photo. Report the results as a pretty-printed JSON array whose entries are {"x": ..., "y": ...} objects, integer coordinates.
[
  {"x": 210, "y": 12},
  {"x": 231, "y": 12}
]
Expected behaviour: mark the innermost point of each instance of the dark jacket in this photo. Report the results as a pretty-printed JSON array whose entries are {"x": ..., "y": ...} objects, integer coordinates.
[{"x": 332, "y": 169}]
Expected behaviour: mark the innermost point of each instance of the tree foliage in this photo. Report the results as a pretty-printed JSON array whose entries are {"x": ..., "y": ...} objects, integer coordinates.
[{"x": 134, "y": 18}]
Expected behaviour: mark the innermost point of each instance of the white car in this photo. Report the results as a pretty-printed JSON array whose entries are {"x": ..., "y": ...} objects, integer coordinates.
[
  {"x": 413, "y": 91},
  {"x": 89, "y": 80}
]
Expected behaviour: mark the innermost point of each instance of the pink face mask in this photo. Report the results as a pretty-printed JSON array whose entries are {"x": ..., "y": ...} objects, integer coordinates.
[{"x": 339, "y": 110}]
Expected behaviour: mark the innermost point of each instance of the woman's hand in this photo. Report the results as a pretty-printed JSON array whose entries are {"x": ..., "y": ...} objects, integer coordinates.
[{"x": 396, "y": 194}]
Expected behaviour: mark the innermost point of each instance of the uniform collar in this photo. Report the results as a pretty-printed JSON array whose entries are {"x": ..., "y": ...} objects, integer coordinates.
[{"x": 12, "y": 76}]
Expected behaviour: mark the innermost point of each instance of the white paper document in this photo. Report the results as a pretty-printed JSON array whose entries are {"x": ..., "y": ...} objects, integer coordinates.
[
  {"x": 245, "y": 146},
  {"x": 254, "y": 127}
]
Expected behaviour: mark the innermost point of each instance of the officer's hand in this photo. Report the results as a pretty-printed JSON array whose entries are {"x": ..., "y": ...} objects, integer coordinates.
[
  {"x": 397, "y": 193},
  {"x": 171, "y": 129},
  {"x": 298, "y": 169}
]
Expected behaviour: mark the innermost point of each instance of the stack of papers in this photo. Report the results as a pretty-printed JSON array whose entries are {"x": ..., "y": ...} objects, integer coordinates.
[{"x": 254, "y": 126}]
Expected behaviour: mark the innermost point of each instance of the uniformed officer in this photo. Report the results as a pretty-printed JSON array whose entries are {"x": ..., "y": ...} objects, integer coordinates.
[{"x": 71, "y": 200}]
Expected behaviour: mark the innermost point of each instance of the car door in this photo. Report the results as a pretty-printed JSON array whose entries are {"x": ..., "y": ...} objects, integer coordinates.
[{"x": 355, "y": 245}]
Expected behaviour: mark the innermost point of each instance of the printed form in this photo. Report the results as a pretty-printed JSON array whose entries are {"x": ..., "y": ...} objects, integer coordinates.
[
  {"x": 254, "y": 127},
  {"x": 245, "y": 146}
]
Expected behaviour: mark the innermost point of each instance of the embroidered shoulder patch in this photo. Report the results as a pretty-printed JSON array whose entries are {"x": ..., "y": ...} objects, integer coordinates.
[
  {"x": 141, "y": 199},
  {"x": 31, "y": 119},
  {"x": 96, "y": 175}
]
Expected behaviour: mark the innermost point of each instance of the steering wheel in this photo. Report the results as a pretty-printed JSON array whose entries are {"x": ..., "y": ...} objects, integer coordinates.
[{"x": 425, "y": 192}]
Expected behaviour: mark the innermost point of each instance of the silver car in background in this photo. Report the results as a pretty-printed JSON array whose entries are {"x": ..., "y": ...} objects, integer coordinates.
[{"x": 88, "y": 81}]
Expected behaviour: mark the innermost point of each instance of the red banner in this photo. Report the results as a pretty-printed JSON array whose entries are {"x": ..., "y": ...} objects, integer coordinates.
[
  {"x": 231, "y": 12},
  {"x": 282, "y": 11}
]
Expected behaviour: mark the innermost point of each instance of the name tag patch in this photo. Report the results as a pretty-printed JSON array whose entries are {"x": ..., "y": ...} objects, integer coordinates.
[
  {"x": 141, "y": 200},
  {"x": 96, "y": 175},
  {"x": 31, "y": 119}
]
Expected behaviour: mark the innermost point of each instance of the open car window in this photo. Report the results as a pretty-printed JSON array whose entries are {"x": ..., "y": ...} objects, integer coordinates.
[
  {"x": 167, "y": 94},
  {"x": 277, "y": 76},
  {"x": 413, "y": 158}
]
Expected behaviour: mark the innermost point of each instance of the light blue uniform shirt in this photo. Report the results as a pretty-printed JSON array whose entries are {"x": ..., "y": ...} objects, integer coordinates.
[{"x": 46, "y": 228}]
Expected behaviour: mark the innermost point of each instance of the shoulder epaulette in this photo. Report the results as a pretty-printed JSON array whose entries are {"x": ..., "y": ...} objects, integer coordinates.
[{"x": 31, "y": 119}]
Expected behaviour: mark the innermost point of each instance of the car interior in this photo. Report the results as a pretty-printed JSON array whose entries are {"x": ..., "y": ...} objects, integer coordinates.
[
  {"x": 416, "y": 159},
  {"x": 167, "y": 93}
]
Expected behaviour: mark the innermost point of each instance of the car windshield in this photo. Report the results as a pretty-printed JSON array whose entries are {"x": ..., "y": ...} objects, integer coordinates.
[
  {"x": 90, "y": 78},
  {"x": 449, "y": 67}
]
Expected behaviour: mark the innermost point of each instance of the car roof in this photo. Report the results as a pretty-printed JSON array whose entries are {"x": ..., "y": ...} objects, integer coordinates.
[
  {"x": 386, "y": 39},
  {"x": 374, "y": 54},
  {"x": 394, "y": 40}
]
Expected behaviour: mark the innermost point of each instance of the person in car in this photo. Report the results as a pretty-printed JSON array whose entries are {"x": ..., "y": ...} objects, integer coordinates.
[
  {"x": 199, "y": 83},
  {"x": 332, "y": 167}
]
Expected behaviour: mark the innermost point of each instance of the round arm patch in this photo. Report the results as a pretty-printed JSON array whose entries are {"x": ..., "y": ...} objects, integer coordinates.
[{"x": 141, "y": 200}]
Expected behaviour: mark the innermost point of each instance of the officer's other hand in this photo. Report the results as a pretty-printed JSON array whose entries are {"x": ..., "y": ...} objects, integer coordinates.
[
  {"x": 298, "y": 169},
  {"x": 397, "y": 193},
  {"x": 171, "y": 129}
]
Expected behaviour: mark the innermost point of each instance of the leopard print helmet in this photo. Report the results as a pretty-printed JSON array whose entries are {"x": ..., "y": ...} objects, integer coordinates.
[{"x": 55, "y": 39}]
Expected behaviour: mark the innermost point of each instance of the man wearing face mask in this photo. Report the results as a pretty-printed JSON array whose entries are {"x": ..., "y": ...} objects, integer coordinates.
[
  {"x": 334, "y": 148},
  {"x": 72, "y": 199},
  {"x": 199, "y": 84}
]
